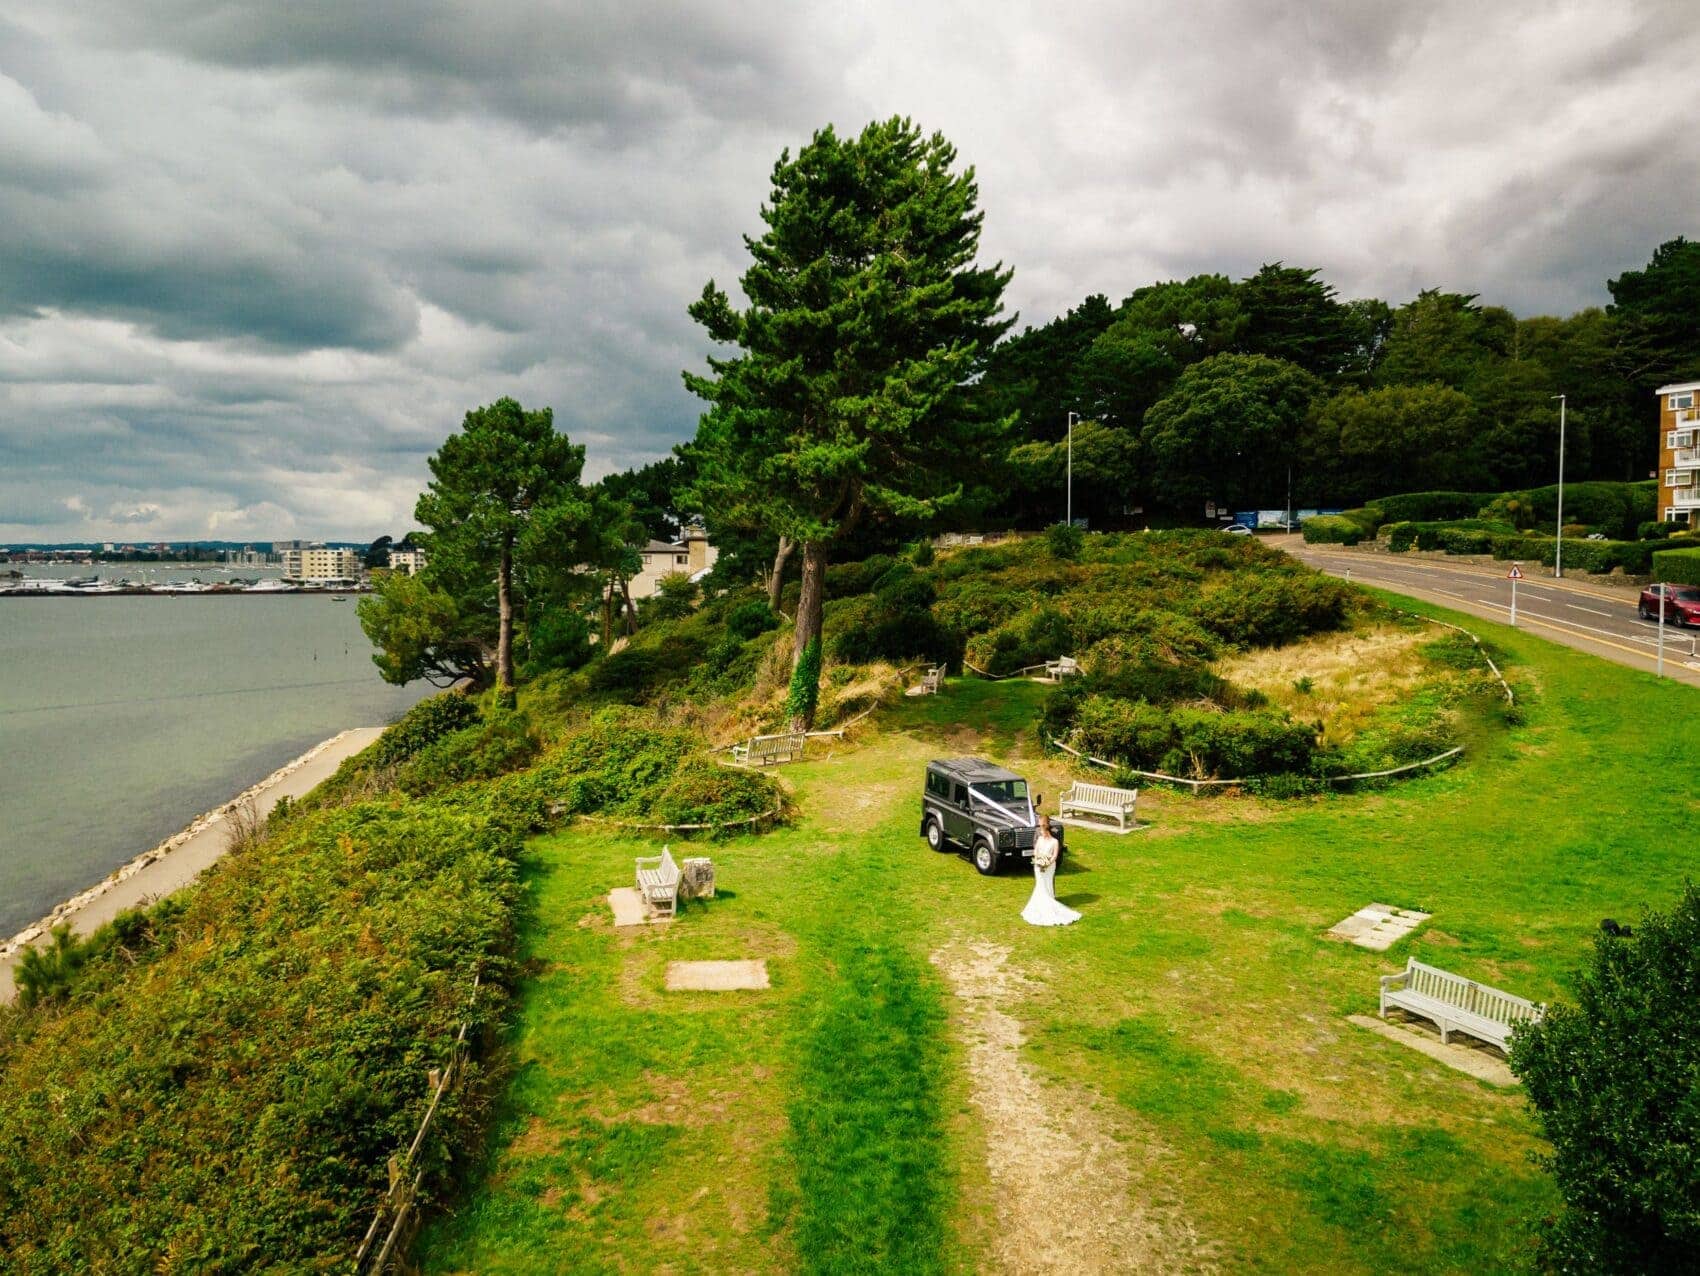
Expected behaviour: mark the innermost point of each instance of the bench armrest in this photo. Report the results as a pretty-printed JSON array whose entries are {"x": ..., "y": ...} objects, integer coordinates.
[
  {"x": 1394, "y": 981},
  {"x": 648, "y": 861}
]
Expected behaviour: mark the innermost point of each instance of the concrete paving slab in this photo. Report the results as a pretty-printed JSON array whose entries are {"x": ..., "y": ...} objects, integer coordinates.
[
  {"x": 1478, "y": 1059},
  {"x": 716, "y": 976},
  {"x": 1378, "y": 926},
  {"x": 629, "y": 909}
]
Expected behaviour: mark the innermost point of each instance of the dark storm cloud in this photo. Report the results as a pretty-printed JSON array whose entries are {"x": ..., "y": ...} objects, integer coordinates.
[{"x": 258, "y": 259}]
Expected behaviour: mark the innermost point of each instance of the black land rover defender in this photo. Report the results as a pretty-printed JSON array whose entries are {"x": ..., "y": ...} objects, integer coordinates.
[{"x": 982, "y": 808}]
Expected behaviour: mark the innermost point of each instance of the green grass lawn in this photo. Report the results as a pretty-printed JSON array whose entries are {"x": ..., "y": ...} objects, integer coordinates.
[{"x": 1196, "y": 1013}]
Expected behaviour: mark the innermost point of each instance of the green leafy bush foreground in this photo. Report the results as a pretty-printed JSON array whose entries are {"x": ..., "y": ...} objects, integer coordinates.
[
  {"x": 1678, "y": 566},
  {"x": 229, "y": 1100}
]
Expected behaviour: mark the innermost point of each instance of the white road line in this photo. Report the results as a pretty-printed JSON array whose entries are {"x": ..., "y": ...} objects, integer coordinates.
[{"x": 1597, "y": 611}]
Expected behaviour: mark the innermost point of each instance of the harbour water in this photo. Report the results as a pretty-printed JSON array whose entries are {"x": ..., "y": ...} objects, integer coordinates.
[{"x": 123, "y": 718}]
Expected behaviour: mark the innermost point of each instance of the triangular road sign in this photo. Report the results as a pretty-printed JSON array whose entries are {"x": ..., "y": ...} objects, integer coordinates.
[{"x": 1516, "y": 573}]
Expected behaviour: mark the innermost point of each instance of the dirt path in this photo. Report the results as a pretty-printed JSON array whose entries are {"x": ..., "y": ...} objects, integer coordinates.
[{"x": 1073, "y": 1202}]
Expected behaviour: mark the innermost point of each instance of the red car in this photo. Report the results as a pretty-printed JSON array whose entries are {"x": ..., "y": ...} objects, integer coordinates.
[{"x": 1681, "y": 603}]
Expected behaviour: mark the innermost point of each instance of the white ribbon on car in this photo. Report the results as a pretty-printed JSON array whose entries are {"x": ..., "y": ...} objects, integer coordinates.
[{"x": 1032, "y": 819}]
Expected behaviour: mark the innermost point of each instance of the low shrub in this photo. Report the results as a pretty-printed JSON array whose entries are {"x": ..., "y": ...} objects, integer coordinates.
[
  {"x": 1655, "y": 530},
  {"x": 424, "y": 723},
  {"x": 846, "y": 580},
  {"x": 1190, "y": 742},
  {"x": 1031, "y": 638},
  {"x": 1064, "y": 540},
  {"x": 1422, "y": 507},
  {"x": 499, "y": 744},
  {"x": 1271, "y": 608},
  {"x": 559, "y": 639},
  {"x": 1401, "y": 536},
  {"x": 750, "y": 618},
  {"x": 1331, "y": 529},
  {"x": 1678, "y": 566},
  {"x": 704, "y": 792}
]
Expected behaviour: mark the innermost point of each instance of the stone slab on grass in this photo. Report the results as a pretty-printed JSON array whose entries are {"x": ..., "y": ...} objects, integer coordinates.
[
  {"x": 629, "y": 909},
  {"x": 1477, "y": 1059},
  {"x": 1378, "y": 927},
  {"x": 716, "y": 976}
]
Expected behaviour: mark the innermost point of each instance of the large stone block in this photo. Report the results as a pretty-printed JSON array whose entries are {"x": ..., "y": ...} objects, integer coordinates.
[{"x": 696, "y": 879}]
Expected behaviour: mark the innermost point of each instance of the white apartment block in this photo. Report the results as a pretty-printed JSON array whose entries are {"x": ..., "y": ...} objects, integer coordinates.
[{"x": 319, "y": 563}]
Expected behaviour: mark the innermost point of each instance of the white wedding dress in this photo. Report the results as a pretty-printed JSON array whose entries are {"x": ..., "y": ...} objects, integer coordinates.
[{"x": 1042, "y": 907}]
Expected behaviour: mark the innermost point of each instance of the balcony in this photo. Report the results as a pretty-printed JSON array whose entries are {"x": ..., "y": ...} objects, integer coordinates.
[
  {"x": 1683, "y": 498},
  {"x": 1686, "y": 417},
  {"x": 1687, "y": 459}
]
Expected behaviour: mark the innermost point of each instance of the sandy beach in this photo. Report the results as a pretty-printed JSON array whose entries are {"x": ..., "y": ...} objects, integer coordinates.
[{"x": 180, "y": 859}]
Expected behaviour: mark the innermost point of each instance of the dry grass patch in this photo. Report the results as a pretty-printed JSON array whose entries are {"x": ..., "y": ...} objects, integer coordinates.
[{"x": 1339, "y": 680}]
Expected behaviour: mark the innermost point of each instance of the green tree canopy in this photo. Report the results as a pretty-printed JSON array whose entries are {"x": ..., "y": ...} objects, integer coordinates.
[
  {"x": 420, "y": 632},
  {"x": 1442, "y": 338},
  {"x": 1658, "y": 310},
  {"x": 866, "y": 318},
  {"x": 1615, "y": 1082},
  {"x": 1395, "y": 439},
  {"x": 504, "y": 491},
  {"x": 1291, "y": 314},
  {"x": 1106, "y": 468},
  {"x": 1228, "y": 430}
]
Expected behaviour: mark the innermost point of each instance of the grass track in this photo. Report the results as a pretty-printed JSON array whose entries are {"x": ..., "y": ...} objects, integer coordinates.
[{"x": 1196, "y": 1006}]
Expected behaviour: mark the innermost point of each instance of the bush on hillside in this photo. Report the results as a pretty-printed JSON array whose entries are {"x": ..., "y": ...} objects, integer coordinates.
[
  {"x": 237, "y": 1104},
  {"x": 846, "y": 580},
  {"x": 425, "y": 722},
  {"x": 1331, "y": 529},
  {"x": 1656, "y": 530},
  {"x": 1678, "y": 566},
  {"x": 750, "y": 618},
  {"x": 1065, "y": 541},
  {"x": 1189, "y": 742},
  {"x": 501, "y": 743},
  {"x": 559, "y": 639},
  {"x": 1030, "y": 638},
  {"x": 1271, "y": 609},
  {"x": 1613, "y": 1083},
  {"x": 704, "y": 792}
]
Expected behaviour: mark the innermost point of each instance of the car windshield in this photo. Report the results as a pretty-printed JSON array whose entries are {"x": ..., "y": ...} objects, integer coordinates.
[
  {"x": 1686, "y": 595},
  {"x": 1005, "y": 791}
]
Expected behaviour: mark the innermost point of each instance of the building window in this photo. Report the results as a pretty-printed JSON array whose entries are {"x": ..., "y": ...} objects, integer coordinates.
[
  {"x": 1670, "y": 478},
  {"x": 678, "y": 558},
  {"x": 1682, "y": 400}
]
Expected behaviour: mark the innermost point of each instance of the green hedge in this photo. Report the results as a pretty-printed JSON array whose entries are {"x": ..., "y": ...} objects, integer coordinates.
[
  {"x": 1599, "y": 557},
  {"x": 1426, "y": 507},
  {"x": 1678, "y": 566},
  {"x": 1331, "y": 529},
  {"x": 1192, "y": 742}
]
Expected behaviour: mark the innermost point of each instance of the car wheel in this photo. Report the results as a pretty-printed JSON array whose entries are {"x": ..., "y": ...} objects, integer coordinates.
[
  {"x": 935, "y": 836},
  {"x": 1643, "y": 610},
  {"x": 986, "y": 859}
]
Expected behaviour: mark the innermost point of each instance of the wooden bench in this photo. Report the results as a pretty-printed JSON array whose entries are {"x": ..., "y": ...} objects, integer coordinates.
[
  {"x": 658, "y": 881},
  {"x": 1099, "y": 799},
  {"x": 1456, "y": 1004},
  {"x": 1063, "y": 667},
  {"x": 760, "y": 750},
  {"x": 932, "y": 680}
]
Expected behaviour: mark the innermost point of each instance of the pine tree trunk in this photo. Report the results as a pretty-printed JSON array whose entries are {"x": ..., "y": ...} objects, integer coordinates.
[
  {"x": 776, "y": 581},
  {"x": 505, "y": 622},
  {"x": 608, "y": 616},
  {"x": 631, "y": 608},
  {"x": 809, "y": 622}
]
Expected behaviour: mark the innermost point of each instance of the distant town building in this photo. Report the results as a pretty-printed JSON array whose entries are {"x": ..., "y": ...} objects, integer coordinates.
[
  {"x": 1679, "y": 452},
  {"x": 318, "y": 563},
  {"x": 248, "y": 556},
  {"x": 410, "y": 561},
  {"x": 691, "y": 554}
]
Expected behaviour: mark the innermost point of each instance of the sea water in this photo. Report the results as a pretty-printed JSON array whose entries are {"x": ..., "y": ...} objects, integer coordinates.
[{"x": 124, "y": 717}]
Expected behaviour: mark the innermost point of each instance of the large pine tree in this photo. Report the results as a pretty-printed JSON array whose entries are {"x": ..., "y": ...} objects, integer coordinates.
[{"x": 866, "y": 317}]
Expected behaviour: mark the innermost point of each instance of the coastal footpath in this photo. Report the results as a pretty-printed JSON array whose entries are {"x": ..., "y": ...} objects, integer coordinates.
[{"x": 183, "y": 857}]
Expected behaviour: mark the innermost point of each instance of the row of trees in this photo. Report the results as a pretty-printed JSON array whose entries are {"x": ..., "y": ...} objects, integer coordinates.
[{"x": 1214, "y": 389}]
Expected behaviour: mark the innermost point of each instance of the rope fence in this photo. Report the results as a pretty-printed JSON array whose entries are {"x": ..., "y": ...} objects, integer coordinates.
[
  {"x": 1196, "y": 785},
  {"x": 397, "y": 1205},
  {"x": 1504, "y": 685}
]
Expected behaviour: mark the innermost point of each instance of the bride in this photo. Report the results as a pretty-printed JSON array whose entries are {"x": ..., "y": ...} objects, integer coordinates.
[{"x": 1042, "y": 908}]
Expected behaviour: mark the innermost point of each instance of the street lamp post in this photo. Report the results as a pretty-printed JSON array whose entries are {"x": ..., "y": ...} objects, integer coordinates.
[
  {"x": 1072, "y": 418},
  {"x": 1558, "y": 547}
]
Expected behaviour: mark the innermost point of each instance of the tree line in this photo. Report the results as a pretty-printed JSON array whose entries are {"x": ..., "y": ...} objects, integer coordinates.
[{"x": 866, "y": 388}]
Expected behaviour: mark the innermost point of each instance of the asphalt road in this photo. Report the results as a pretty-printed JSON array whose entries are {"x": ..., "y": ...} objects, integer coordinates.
[{"x": 1591, "y": 616}]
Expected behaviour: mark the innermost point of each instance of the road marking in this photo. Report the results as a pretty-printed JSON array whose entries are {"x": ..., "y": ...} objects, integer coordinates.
[{"x": 1597, "y": 611}]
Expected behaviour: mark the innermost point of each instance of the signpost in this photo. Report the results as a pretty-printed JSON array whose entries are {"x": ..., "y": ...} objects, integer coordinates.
[
  {"x": 1663, "y": 590},
  {"x": 1514, "y": 575}
]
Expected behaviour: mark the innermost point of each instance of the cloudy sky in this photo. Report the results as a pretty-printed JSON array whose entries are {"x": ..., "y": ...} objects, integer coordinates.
[{"x": 258, "y": 258}]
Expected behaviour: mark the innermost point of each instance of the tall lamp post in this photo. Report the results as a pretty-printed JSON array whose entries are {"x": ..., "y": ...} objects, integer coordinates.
[
  {"x": 1558, "y": 547},
  {"x": 1072, "y": 418}
]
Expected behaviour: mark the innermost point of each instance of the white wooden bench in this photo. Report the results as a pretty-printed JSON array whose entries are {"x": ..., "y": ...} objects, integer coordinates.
[
  {"x": 1063, "y": 667},
  {"x": 1098, "y": 799},
  {"x": 658, "y": 881},
  {"x": 932, "y": 680},
  {"x": 760, "y": 750},
  {"x": 1456, "y": 1004}
]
